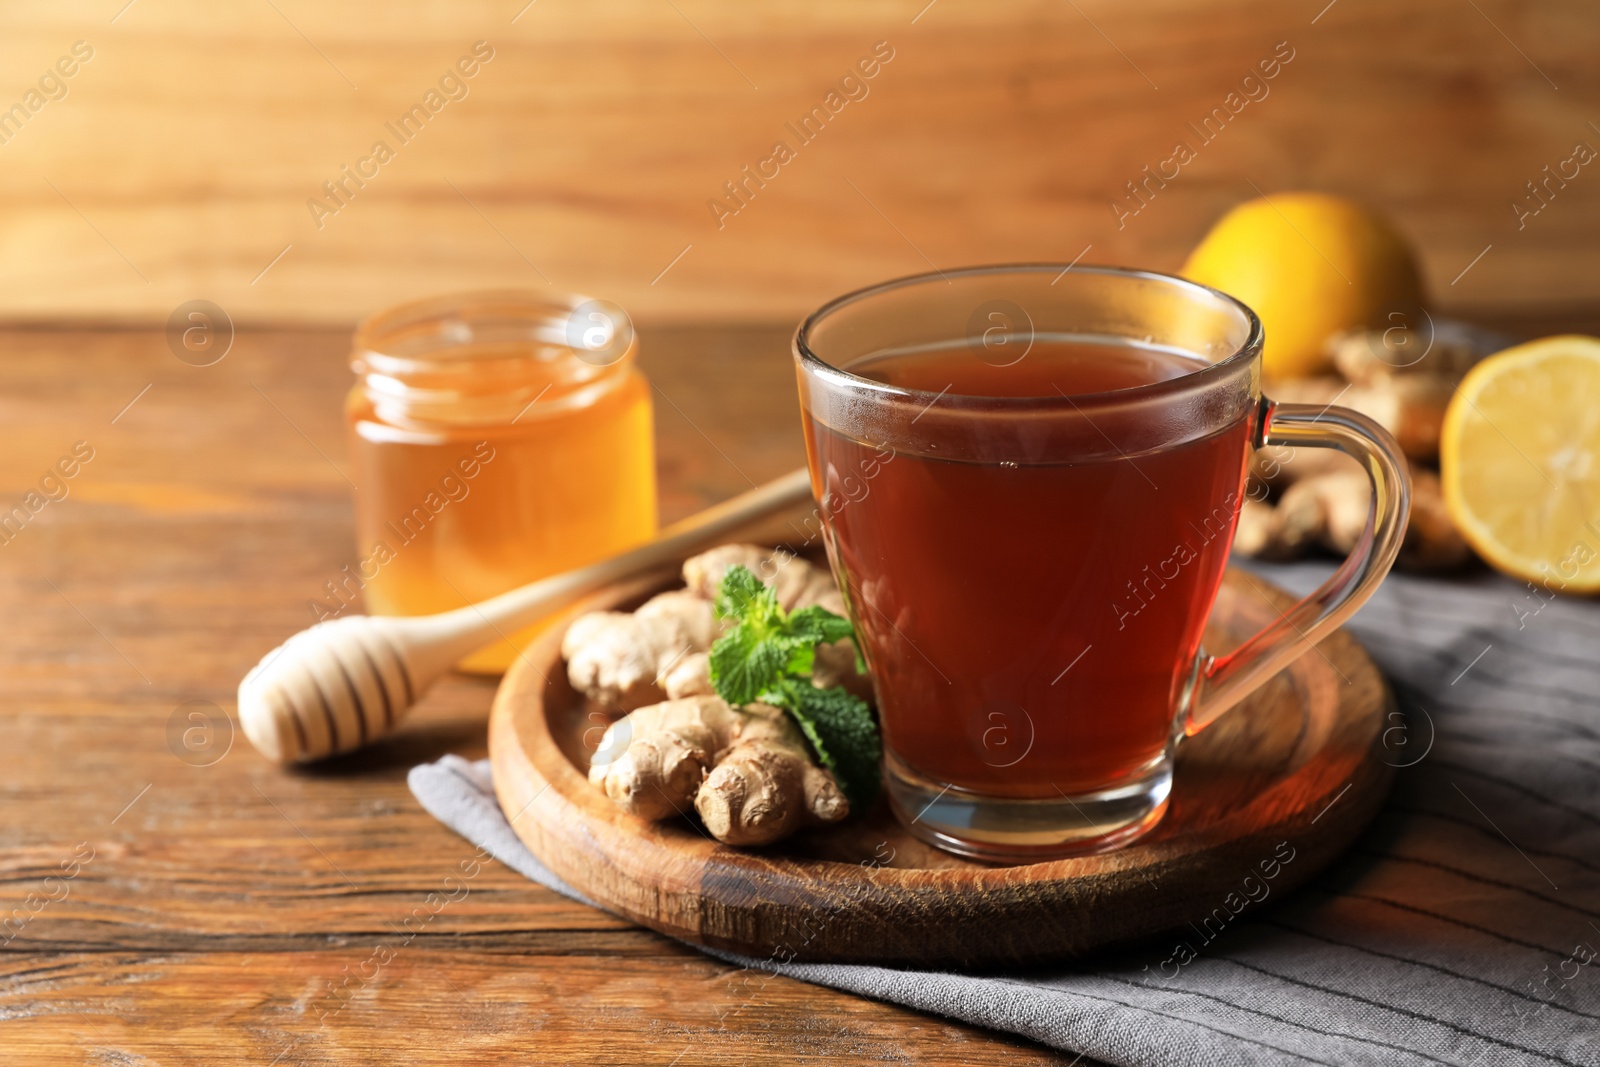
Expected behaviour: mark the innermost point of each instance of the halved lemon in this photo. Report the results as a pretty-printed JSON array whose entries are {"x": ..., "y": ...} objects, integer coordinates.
[{"x": 1520, "y": 462}]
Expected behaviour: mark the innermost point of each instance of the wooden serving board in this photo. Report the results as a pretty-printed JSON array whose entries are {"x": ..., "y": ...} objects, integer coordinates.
[{"x": 1294, "y": 772}]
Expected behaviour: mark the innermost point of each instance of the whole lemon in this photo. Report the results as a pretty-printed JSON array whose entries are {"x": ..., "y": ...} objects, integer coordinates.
[{"x": 1310, "y": 265}]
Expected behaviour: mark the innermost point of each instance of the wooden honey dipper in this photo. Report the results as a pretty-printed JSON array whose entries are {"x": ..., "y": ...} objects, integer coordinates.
[{"x": 347, "y": 682}]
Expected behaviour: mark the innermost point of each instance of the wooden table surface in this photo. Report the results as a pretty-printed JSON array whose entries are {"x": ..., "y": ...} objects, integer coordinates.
[
  {"x": 179, "y": 900},
  {"x": 198, "y": 910}
]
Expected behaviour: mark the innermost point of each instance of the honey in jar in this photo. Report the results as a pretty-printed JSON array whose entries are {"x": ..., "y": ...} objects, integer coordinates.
[{"x": 496, "y": 438}]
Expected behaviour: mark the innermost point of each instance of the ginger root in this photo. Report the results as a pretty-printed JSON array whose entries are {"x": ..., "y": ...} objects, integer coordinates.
[
  {"x": 628, "y": 661},
  {"x": 1322, "y": 494},
  {"x": 747, "y": 772},
  {"x": 1432, "y": 540},
  {"x": 797, "y": 583},
  {"x": 1267, "y": 531},
  {"x": 621, "y": 660},
  {"x": 1370, "y": 357},
  {"x": 1331, "y": 510},
  {"x": 1410, "y": 406}
]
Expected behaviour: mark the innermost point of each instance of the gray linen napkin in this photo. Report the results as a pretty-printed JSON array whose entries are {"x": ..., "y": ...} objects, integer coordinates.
[{"x": 1463, "y": 928}]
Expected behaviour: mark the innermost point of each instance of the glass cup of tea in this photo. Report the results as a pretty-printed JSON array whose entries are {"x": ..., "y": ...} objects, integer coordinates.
[{"x": 1029, "y": 478}]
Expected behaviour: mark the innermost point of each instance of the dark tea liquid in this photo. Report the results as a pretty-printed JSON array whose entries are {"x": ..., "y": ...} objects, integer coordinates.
[{"x": 1030, "y": 624}]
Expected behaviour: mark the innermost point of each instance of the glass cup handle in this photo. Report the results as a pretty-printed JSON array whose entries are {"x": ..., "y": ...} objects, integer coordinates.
[{"x": 1222, "y": 681}]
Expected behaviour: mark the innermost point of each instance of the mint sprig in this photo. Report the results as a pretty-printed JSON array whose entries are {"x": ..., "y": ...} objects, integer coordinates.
[{"x": 768, "y": 658}]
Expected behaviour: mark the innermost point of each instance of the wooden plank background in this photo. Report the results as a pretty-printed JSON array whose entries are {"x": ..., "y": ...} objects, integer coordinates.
[{"x": 179, "y": 163}]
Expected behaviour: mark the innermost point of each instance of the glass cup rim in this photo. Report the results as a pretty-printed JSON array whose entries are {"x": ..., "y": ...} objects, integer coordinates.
[{"x": 1222, "y": 369}]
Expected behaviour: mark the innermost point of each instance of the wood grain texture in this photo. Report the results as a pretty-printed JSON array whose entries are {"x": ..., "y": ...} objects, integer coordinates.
[
  {"x": 454, "y": 1006},
  {"x": 1273, "y": 773},
  {"x": 181, "y": 161},
  {"x": 225, "y": 896}
]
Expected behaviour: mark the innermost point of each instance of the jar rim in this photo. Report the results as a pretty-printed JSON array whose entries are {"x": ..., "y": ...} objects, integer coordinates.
[
  {"x": 489, "y": 356},
  {"x": 556, "y": 321}
]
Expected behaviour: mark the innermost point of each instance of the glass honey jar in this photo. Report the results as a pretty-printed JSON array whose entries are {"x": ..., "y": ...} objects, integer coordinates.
[{"x": 496, "y": 438}]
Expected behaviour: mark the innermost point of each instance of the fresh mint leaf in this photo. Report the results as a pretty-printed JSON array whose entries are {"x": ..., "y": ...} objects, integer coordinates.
[
  {"x": 741, "y": 595},
  {"x": 802, "y": 658},
  {"x": 753, "y": 654},
  {"x": 819, "y": 625},
  {"x": 744, "y": 663},
  {"x": 769, "y": 655},
  {"x": 841, "y": 730}
]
